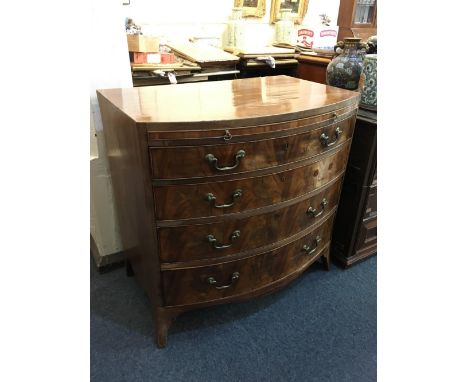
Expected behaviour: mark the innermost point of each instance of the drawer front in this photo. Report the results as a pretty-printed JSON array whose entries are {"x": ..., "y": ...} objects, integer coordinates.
[
  {"x": 171, "y": 137},
  {"x": 219, "y": 198},
  {"x": 231, "y": 236},
  {"x": 206, "y": 161},
  {"x": 197, "y": 285}
]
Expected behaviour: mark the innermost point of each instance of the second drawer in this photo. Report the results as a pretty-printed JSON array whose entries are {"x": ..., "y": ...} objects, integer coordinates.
[{"x": 205, "y": 241}]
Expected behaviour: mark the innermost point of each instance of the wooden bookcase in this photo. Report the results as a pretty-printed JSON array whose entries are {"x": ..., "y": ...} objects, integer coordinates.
[{"x": 357, "y": 18}]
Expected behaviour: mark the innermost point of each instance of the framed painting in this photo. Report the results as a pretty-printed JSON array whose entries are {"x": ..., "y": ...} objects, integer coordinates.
[
  {"x": 251, "y": 8},
  {"x": 298, "y": 9}
]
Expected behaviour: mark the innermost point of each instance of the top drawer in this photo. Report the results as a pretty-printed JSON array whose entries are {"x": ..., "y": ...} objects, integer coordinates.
[{"x": 213, "y": 160}]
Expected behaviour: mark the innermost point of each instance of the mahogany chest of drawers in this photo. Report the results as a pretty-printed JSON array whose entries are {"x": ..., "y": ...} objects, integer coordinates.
[{"x": 225, "y": 190}]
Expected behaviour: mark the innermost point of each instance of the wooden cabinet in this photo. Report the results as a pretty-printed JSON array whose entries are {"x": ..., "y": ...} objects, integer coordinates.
[
  {"x": 357, "y": 18},
  {"x": 225, "y": 190},
  {"x": 313, "y": 68},
  {"x": 355, "y": 231}
]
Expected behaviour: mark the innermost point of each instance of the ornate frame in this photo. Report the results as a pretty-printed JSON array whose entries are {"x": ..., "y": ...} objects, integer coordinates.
[
  {"x": 258, "y": 11},
  {"x": 296, "y": 17}
]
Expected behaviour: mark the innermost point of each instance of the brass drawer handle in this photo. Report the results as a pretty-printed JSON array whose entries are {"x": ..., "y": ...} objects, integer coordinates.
[
  {"x": 234, "y": 278},
  {"x": 212, "y": 240},
  {"x": 309, "y": 251},
  {"x": 236, "y": 194},
  {"x": 313, "y": 211},
  {"x": 212, "y": 159},
  {"x": 324, "y": 138},
  {"x": 227, "y": 136}
]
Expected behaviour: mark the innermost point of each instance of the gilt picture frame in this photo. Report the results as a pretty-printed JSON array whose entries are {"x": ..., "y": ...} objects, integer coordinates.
[
  {"x": 298, "y": 7},
  {"x": 251, "y": 8}
]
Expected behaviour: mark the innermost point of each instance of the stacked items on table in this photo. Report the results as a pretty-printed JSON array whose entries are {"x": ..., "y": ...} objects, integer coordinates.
[
  {"x": 145, "y": 50},
  {"x": 150, "y": 66},
  {"x": 270, "y": 58},
  {"x": 212, "y": 60}
]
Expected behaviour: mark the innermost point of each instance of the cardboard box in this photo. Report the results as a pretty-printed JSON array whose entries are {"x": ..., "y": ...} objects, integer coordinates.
[
  {"x": 167, "y": 58},
  {"x": 138, "y": 57},
  {"x": 142, "y": 43}
]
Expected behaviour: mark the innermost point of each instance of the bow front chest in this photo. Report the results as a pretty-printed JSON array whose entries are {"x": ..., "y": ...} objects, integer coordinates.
[{"x": 225, "y": 190}]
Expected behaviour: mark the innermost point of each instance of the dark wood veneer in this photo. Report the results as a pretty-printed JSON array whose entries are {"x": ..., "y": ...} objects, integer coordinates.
[
  {"x": 184, "y": 201},
  {"x": 189, "y": 242},
  {"x": 157, "y": 154},
  {"x": 187, "y": 286},
  {"x": 183, "y": 162},
  {"x": 355, "y": 233},
  {"x": 247, "y": 133}
]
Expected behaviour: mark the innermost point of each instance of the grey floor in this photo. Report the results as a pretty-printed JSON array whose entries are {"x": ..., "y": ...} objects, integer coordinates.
[{"x": 322, "y": 327}]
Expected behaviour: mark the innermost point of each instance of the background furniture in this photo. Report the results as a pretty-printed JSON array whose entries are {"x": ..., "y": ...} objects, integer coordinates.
[
  {"x": 195, "y": 62},
  {"x": 251, "y": 68},
  {"x": 313, "y": 68},
  {"x": 250, "y": 65},
  {"x": 230, "y": 192},
  {"x": 355, "y": 231},
  {"x": 148, "y": 78},
  {"x": 357, "y": 18}
]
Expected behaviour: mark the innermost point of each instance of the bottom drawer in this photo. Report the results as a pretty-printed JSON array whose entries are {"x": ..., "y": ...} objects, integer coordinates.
[{"x": 230, "y": 279}]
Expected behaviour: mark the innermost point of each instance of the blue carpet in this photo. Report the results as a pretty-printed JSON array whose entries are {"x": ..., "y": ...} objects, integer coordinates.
[{"x": 322, "y": 327}]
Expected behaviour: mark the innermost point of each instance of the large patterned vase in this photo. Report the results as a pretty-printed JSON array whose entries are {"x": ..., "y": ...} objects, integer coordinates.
[
  {"x": 344, "y": 71},
  {"x": 369, "y": 77}
]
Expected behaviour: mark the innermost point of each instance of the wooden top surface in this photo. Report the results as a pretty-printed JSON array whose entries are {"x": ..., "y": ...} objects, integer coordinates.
[{"x": 228, "y": 103}]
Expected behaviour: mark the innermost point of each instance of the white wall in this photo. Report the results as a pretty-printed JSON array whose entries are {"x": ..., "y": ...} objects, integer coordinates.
[
  {"x": 181, "y": 19},
  {"x": 110, "y": 69},
  {"x": 109, "y": 51}
]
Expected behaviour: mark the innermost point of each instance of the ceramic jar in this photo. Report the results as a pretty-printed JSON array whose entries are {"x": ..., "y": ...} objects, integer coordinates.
[
  {"x": 284, "y": 28},
  {"x": 235, "y": 30},
  {"x": 344, "y": 71},
  {"x": 369, "y": 79}
]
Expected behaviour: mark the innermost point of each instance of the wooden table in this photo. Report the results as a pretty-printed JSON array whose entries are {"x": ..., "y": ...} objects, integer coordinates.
[{"x": 313, "y": 68}]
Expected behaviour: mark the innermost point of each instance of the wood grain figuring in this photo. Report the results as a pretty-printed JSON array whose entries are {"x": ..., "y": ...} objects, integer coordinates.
[
  {"x": 184, "y": 162},
  {"x": 245, "y": 254},
  {"x": 250, "y": 101},
  {"x": 270, "y": 215},
  {"x": 188, "y": 286},
  {"x": 185, "y": 201},
  {"x": 323, "y": 254},
  {"x": 190, "y": 242}
]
